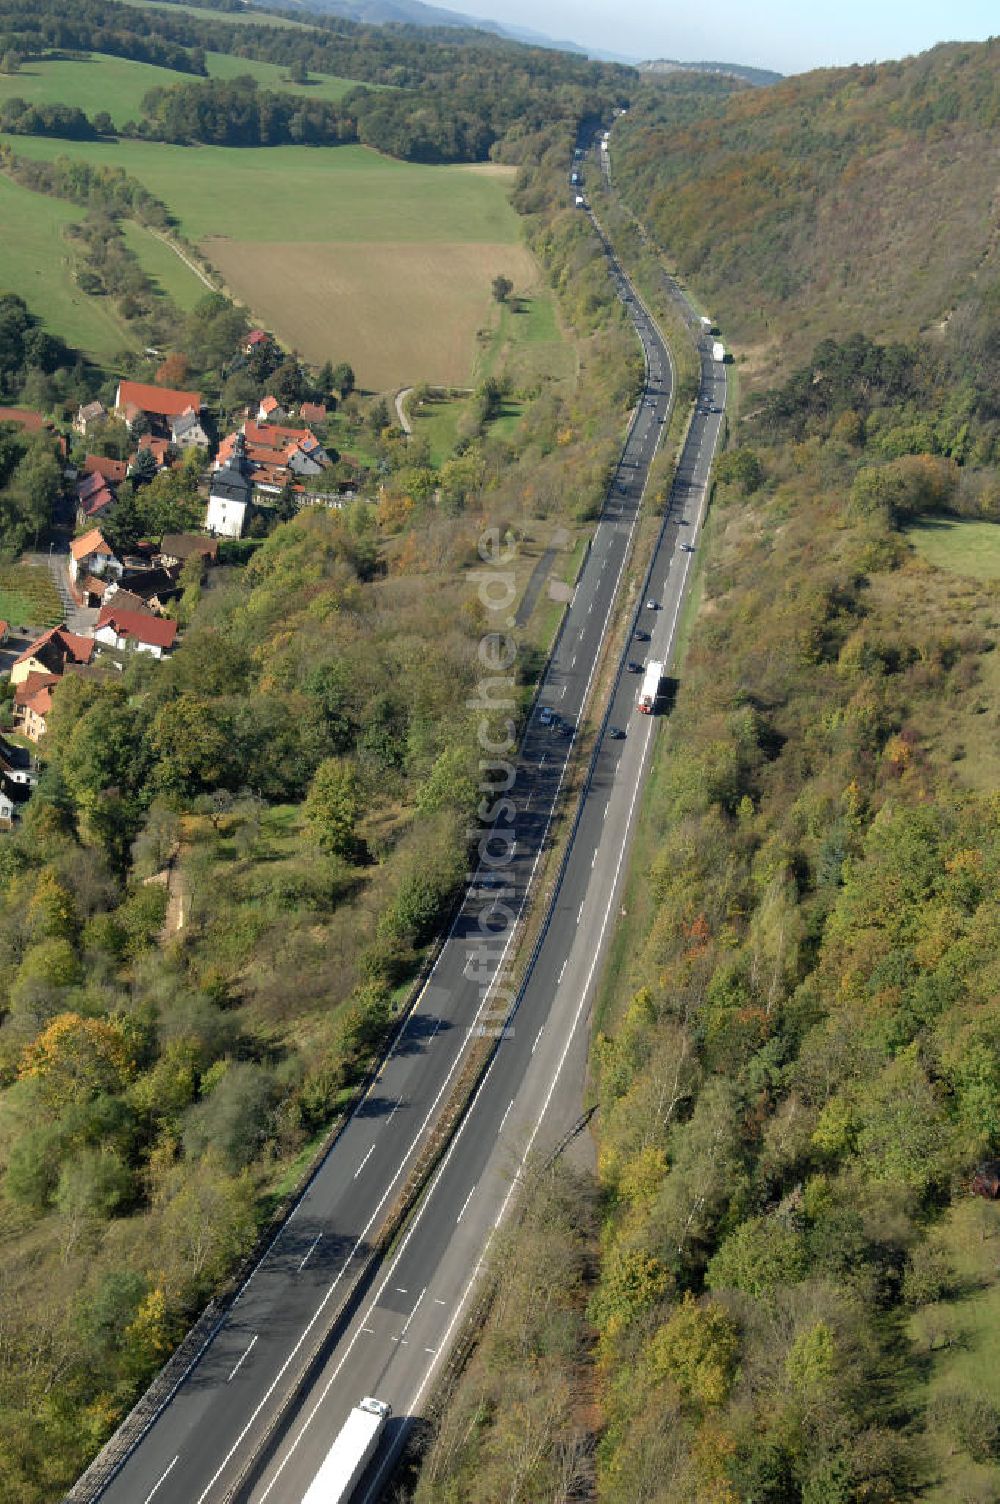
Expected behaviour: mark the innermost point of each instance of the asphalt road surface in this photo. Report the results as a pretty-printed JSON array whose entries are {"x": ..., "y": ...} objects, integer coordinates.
[{"x": 395, "y": 1338}]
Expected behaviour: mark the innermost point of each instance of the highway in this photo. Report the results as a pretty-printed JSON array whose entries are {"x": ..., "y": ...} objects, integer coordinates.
[{"x": 203, "y": 1445}]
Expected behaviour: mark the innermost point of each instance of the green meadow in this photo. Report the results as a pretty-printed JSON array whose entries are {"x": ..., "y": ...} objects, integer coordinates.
[
  {"x": 302, "y": 193},
  {"x": 118, "y": 85},
  {"x": 36, "y": 261},
  {"x": 959, "y": 544},
  {"x": 169, "y": 273}
]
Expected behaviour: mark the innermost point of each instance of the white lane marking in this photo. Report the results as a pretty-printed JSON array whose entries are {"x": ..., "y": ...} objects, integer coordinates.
[
  {"x": 464, "y": 1205},
  {"x": 561, "y": 970},
  {"x": 606, "y": 808},
  {"x": 368, "y": 1330},
  {"x": 242, "y": 1359},
  {"x": 562, "y": 691},
  {"x": 281, "y": 1372},
  {"x": 401, "y": 1290},
  {"x": 412, "y": 1314},
  {"x": 538, "y": 1036},
  {"x": 542, "y": 763},
  {"x": 500, "y": 1129},
  {"x": 367, "y": 1157},
  {"x": 572, "y": 661},
  {"x": 170, "y": 1468},
  {"x": 438, "y": 1301},
  {"x": 593, "y": 861},
  {"x": 431, "y": 1350},
  {"x": 394, "y": 1110},
  {"x": 580, "y": 914},
  {"x": 310, "y": 1251}
]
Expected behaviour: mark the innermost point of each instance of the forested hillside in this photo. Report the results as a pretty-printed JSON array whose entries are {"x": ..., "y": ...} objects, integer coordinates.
[
  {"x": 793, "y": 1292},
  {"x": 451, "y": 98},
  {"x": 856, "y": 198}
]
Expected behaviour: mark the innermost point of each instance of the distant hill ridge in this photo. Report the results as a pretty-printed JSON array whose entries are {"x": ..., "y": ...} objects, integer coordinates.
[
  {"x": 757, "y": 76},
  {"x": 416, "y": 13}
]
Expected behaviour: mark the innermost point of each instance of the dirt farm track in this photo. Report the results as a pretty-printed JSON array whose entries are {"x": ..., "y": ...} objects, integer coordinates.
[{"x": 403, "y": 312}]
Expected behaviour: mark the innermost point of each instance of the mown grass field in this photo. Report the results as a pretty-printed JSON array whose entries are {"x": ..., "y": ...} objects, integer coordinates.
[
  {"x": 116, "y": 84},
  {"x": 36, "y": 261},
  {"x": 28, "y": 597},
  {"x": 282, "y": 194},
  {"x": 960, "y": 545}
]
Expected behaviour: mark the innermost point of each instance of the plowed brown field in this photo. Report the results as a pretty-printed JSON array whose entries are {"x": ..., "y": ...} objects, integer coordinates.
[{"x": 400, "y": 312}]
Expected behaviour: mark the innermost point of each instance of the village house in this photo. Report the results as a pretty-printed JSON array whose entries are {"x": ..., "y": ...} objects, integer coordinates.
[
  {"x": 32, "y": 703},
  {"x": 17, "y": 764},
  {"x": 89, "y": 415},
  {"x": 24, "y": 417},
  {"x": 270, "y": 410},
  {"x": 255, "y": 340},
  {"x": 4, "y": 632},
  {"x": 160, "y": 449},
  {"x": 177, "y": 548},
  {"x": 186, "y": 432},
  {"x": 93, "y": 498},
  {"x": 159, "y": 405},
  {"x": 153, "y": 589},
  {"x": 113, "y": 471},
  {"x": 274, "y": 455},
  {"x": 92, "y": 554},
  {"x": 18, "y": 776},
  {"x": 12, "y": 797},
  {"x": 49, "y": 654},
  {"x": 313, "y": 412},
  {"x": 229, "y": 495},
  {"x": 134, "y": 630}
]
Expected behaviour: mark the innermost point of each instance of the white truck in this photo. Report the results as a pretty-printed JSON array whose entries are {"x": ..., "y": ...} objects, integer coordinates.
[
  {"x": 350, "y": 1454},
  {"x": 718, "y": 350},
  {"x": 580, "y": 201},
  {"x": 706, "y": 324},
  {"x": 649, "y": 689}
]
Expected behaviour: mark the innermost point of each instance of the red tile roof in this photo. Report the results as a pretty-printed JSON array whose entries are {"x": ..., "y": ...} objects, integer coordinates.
[
  {"x": 256, "y": 336},
  {"x": 273, "y": 435},
  {"x": 163, "y": 401},
  {"x": 313, "y": 412},
  {"x": 66, "y": 644},
  {"x": 99, "y": 464},
  {"x": 91, "y": 543},
  {"x": 25, "y": 692},
  {"x": 150, "y": 629},
  {"x": 97, "y": 502},
  {"x": 24, "y": 417}
]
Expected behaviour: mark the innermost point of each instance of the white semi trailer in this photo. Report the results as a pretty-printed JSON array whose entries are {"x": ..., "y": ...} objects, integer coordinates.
[
  {"x": 650, "y": 688},
  {"x": 718, "y": 351},
  {"x": 350, "y": 1454}
]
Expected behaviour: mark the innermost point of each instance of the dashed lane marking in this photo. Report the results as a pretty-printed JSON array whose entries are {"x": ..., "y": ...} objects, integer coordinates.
[
  {"x": 310, "y": 1251},
  {"x": 242, "y": 1359}
]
